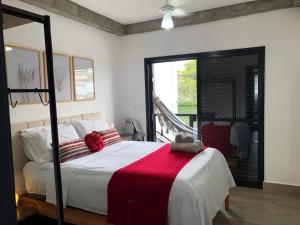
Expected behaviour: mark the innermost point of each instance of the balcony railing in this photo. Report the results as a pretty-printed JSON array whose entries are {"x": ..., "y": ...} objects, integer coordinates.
[
  {"x": 191, "y": 118},
  {"x": 187, "y": 118}
]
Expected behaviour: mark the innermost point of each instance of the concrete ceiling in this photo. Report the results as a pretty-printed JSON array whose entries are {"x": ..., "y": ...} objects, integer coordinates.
[
  {"x": 111, "y": 15},
  {"x": 13, "y": 21},
  {"x": 134, "y": 11}
]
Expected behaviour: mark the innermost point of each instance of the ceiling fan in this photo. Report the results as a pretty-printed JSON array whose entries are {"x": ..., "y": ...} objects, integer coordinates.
[{"x": 171, "y": 8}]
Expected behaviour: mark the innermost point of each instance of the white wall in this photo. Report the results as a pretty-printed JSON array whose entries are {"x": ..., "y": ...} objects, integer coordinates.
[
  {"x": 70, "y": 37},
  {"x": 279, "y": 31}
]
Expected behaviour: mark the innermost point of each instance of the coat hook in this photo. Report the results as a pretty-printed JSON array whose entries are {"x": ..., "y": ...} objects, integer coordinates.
[
  {"x": 45, "y": 104},
  {"x": 14, "y": 105}
]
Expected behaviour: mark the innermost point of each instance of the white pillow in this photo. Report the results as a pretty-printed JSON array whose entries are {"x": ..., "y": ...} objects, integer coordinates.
[
  {"x": 37, "y": 141},
  {"x": 35, "y": 145},
  {"x": 85, "y": 127},
  {"x": 66, "y": 132}
]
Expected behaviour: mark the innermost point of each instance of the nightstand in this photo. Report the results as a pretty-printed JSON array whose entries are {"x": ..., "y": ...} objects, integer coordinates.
[
  {"x": 26, "y": 215},
  {"x": 128, "y": 137}
]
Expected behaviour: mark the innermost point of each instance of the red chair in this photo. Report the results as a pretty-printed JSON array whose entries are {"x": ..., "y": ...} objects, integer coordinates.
[{"x": 217, "y": 137}]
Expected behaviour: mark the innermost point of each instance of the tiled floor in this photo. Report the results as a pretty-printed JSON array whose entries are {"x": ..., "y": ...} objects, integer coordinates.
[{"x": 257, "y": 207}]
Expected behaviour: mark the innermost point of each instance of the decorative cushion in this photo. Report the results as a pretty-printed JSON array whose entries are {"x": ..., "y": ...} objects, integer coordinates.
[
  {"x": 73, "y": 150},
  {"x": 94, "y": 142},
  {"x": 109, "y": 137}
]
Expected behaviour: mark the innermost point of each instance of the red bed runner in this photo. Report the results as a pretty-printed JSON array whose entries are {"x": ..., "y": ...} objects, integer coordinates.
[{"x": 138, "y": 194}]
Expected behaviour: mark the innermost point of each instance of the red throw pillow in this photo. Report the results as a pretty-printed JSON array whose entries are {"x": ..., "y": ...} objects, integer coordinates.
[
  {"x": 94, "y": 142},
  {"x": 72, "y": 150},
  {"x": 109, "y": 137}
]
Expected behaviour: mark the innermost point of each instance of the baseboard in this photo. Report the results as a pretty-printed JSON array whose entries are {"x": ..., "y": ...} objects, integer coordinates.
[
  {"x": 282, "y": 188},
  {"x": 249, "y": 184}
]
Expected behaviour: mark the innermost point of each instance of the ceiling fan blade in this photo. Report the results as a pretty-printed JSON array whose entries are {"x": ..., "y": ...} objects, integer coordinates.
[
  {"x": 180, "y": 13},
  {"x": 177, "y": 3}
]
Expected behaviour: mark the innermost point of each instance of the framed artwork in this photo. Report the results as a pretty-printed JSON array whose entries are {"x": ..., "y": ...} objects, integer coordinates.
[
  {"x": 62, "y": 77},
  {"x": 23, "y": 72},
  {"x": 84, "y": 85}
]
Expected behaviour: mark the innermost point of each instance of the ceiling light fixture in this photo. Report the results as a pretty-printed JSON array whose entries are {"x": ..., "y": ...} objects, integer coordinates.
[
  {"x": 167, "y": 22},
  {"x": 8, "y": 49}
]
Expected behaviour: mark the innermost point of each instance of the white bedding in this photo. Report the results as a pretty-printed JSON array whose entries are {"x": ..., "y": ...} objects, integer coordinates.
[{"x": 196, "y": 195}]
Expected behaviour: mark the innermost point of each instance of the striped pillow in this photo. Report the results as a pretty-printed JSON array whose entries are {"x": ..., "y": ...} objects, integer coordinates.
[
  {"x": 72, "y": 150},
  {"x": 109, "y": 137}
]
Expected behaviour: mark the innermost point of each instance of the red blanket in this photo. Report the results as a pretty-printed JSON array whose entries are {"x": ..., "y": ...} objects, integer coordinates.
[{"x": 138, "y": 194}]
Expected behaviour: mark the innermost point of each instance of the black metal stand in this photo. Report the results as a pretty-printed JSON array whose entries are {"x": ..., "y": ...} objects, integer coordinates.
[
  {"x": 53, "y": 116},
  {"x": 7, "y": 199},
  {"x": 7, "y": 193}
]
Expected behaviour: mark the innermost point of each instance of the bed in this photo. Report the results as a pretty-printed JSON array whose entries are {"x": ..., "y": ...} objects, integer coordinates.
[{"x": 196, "y": 196}]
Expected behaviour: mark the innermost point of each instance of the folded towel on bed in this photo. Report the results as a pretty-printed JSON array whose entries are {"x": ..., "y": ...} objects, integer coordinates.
[
  {"x": 179, "y": 137},
  {"x": 184, "y": 138},
  {"x": 94, "y": 142},
  {"x": 188, "y": 139},
  {"x": 187, "y": 147}
]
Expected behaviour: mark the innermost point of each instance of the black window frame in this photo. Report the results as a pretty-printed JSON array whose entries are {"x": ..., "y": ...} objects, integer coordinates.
[{"x": 259, "y": 51}]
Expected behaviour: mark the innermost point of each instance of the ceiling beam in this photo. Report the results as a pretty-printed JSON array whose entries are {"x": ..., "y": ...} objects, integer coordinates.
[
  {"x": 210, "y": 15},
  {"x": 80, "y": 14}
]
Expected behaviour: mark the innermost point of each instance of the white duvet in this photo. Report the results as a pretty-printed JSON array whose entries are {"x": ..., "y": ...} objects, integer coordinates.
[{"x": 196, "y": 195}]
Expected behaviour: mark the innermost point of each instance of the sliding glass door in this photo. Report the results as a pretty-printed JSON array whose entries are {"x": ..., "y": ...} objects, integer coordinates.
[
  {"x": 219, "y": 97},
  {"x": 230, "y": 100}
]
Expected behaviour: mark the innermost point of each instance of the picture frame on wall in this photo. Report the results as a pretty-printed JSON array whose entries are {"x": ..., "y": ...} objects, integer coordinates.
[
  {"x": 83, "y": 77},
  {"x": 62, "y": 77},
  {"x": 23, "y": 68}
]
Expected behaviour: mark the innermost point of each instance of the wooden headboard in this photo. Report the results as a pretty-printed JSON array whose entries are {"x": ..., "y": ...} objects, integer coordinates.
[{"x": 20, "y": 159}]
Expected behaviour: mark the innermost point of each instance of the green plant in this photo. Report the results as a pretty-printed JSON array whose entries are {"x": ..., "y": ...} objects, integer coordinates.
[{"x": 187, "y": 88}]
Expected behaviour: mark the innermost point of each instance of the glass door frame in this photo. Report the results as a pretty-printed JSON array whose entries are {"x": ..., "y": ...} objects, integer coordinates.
[
  {"x": 259, "y": 51},
  {"x": 148, "y": 63}
]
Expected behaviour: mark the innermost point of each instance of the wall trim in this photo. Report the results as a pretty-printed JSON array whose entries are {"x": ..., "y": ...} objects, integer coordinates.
[{"x": 282, "y": 188}]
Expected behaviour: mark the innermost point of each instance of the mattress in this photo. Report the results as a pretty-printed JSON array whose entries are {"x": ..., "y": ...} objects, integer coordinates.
[
  {"x": 196, "y": 196},
  {"x": 35, "y": 175}
]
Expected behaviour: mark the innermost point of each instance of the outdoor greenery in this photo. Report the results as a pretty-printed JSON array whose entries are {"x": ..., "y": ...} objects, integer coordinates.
[
  {"x": 187, "y": 90},
  {"x": 190, "y": 68}
]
